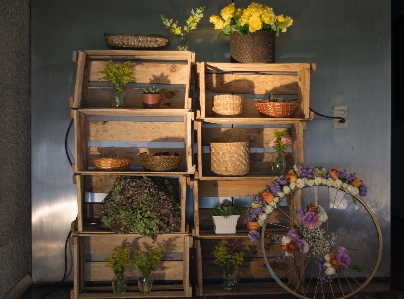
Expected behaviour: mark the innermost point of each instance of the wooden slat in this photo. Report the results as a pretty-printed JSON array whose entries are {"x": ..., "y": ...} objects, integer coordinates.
[
  {"x": 216, "y": 188},
  {"x": 140, "y": 54},
  {"x": 80, "y": 78}
]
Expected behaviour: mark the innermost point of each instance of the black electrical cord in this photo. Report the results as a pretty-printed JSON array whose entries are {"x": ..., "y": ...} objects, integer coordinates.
[
  {"x": 65, "y": 273},
  {"x": 67, "y": 135},
  {"x": 341, "y": 119}
]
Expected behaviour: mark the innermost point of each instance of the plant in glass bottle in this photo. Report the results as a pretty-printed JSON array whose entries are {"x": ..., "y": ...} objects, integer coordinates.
[
  {"x": 280, "y": 142},
  {"x": 146, "y": 262},
  {"x": 229, "y": 265},
  {"x": 118, "y": 261},
  {"x": 118, "y": 74},
  {"x": 184, "y": 32}
]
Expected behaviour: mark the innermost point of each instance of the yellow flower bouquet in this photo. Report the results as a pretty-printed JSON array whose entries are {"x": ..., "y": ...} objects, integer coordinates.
[{"x": 251, "y": 19}]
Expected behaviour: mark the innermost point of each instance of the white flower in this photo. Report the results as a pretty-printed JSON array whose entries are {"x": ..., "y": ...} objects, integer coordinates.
[
  {"x": 337, "y": 184},
  {"x": 355, "y": 191},
  {"x": 262, "y": 219},
  {"x": 300, "y": 183},
  {"x": 324, "y": 181},
  {"x": 280, "y": 194},
  {"x": 321, "y": 214},
  {"x": 327, "y": 257},
  {"x": 317, "y": 180},
  {"x": 285, "y": 240},
  {"x": 276, "y": 199},
  {"x": 273, "y": 204},
  {"x": 330, "y": 271},
  {"x": 286, "y": 189},
  {"x": 350, "y": 189},
  {"x": 344, "y": 185},
  {"x": 292, "y": 186},
  {"x": 327, "y": 264},
  {"x": 269, "y": 209},
  {"x": 309, "y": 182},
  {"x": 330, "y": 182}
]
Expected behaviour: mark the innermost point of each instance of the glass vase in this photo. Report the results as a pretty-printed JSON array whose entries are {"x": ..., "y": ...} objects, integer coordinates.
[
  {"x": 230, "y": 281},
  {"x": 119, "y": 284},
  {"x": 183, "y": 43},
  {"x": 279, "y": 165},
  {"x": 118, "y": 98},
  {"x": 145, "y": 283}
]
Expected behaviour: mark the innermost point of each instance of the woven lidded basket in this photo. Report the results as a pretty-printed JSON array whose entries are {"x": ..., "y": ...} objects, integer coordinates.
[
  {"x": 227, "y": 105},
  {"x": 110, "y": 164},
  {"x": 254, "y": 47},
  {"x": 159, "y": 162},
  {"x": 121, "y": 41},
  {"x": 277, "y": 109},
  {"x": 230, "y": 158}
]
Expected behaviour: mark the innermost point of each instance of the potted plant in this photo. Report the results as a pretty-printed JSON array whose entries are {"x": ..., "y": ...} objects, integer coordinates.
[
  {"x": 151, "y": 97},
  {"x": 225, "y": 217},
  {"x": 229, "y": 265},
  {"x": 118, "y": 261},
  {"x": 118, "y": 74},
  {"x": 146, "y": 263},
  {"x": 280, "y": 142}
]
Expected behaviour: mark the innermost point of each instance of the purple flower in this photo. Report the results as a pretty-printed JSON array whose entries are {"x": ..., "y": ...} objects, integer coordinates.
[
  {"x": 254, "y": 235},
  {"x": 280, "y": 258},
  {"x": 363, "y": 190},
  {"x": 293, "y": 235},
  {"x": 303, "y": 246},
  {"x": 310, "y": 220},
  {"x": 306, "y": 171},
  {"x": 277, "y": 238},
  {"x": 343, "y": 257},
  {"x": 299, "y": 213},
  {"x": 346, "y": 177}
]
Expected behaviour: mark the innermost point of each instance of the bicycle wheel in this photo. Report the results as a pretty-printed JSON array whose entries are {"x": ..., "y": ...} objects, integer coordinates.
[{"x": 344, "y": 250}]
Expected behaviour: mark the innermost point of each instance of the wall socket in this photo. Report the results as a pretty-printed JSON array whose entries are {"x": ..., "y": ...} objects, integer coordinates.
[{"x": 341, "y": 111}]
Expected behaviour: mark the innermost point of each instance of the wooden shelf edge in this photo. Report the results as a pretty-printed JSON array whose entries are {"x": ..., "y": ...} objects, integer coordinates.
[
  {"x": 133, "y": 173},
  {"x": 287, "y": 121},
  {"x": 232, "y": 178}
]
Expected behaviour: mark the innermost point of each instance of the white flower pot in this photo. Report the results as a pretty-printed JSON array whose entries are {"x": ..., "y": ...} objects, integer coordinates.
[{"x": 224, "y": 225}]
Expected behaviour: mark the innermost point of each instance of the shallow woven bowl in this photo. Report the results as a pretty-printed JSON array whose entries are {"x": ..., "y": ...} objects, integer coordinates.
[
  {"x": 160, "y": 163},
  {"x": 110, "y": 164},
  {"x": 277, "y": 109}
]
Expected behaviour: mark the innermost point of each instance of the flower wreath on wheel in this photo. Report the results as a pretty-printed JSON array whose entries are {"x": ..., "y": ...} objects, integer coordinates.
[{"x": 308, "y": 237}]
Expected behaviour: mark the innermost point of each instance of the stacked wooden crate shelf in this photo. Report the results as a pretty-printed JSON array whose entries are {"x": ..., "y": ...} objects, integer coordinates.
[
  {"x": 252, "y": 81},
  {"x": 101, "y": 131}
]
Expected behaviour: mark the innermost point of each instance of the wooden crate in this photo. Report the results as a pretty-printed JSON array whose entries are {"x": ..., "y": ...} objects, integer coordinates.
[
  {"x": 289, "y": 80},
  {"x": 89, "y": 213},
  {"x": 127, "y": 133},
  {"x": 258, "y": 137},
  {"x": 170, "y": 70},
  {"x": 93, "y": 280}
]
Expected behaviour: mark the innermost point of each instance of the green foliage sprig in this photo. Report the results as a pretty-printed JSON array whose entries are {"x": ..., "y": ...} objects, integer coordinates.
[
  {"x": 227, "y": 262},
  {"x": 151, "y": 90},
  {"x": 118, "y": 74},
  {"x": 147, "y": 262},
  {"x": 118, "y": 261},
  {"x": 226, "y": 209}
]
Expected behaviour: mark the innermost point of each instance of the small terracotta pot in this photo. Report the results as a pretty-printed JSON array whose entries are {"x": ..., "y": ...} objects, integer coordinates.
[
  {"x": 151, "y": 100},
  {"x": 252, "y": 225}
]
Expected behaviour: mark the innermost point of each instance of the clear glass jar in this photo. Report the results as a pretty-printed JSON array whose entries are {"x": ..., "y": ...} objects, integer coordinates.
[{"x": 119, "y": 284}]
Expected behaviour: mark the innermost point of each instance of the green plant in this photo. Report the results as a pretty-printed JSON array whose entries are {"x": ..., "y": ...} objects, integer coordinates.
[
  {"x": 147, "y": 262},
  {"x": 118, "y": 261},
  {"x": 118, "y": 74},
  {"x": 151, "y": 90},
  {"x": 226, "y": 209},
  {"x": 227, "y": 262},
  {"x": 145, "y": 205}
]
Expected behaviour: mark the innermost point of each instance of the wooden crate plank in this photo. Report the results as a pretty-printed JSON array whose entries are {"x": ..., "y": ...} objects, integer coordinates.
[
  {"x": 140, "y": 54},
  {"x": 80, "y": 141},
  {"x": 80, "y": 78},
  {"x": 219, "y": 188},
  {"x": 80, "y": 201}
]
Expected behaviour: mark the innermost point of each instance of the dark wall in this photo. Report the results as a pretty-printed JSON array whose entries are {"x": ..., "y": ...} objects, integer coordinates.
[{"x": 15, "y": 132}]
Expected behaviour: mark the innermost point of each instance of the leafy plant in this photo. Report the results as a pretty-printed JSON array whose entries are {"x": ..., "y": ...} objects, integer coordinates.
[
  {"x": 118, "y": 74},
  {"x": 147, "y": 262},
  {"x": 226, "y": 209},
  {"x": 118, "y": 261},
  {"x": 151, "y": 90},
  {"x": 145, "y": 205},
  {"x": 227, "y": 262}
]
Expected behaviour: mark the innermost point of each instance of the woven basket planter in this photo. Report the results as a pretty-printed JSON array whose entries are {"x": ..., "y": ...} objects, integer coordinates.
[
  {"x": 160, "y": 163},
  {"x": 112, "y": 164},
  {"x": 254, "y": 47},
  {"x": 230, "y": 158},
  {"x": 227, "y": 105},
  {"x": 277, "y": 109}
]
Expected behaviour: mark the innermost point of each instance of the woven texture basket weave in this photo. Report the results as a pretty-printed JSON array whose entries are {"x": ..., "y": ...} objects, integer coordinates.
[
  {"x": 230, "y": 158},
  {"x": 255, "y": 47},
  {"x": 277, "y": 109},
  {"x": 110, "y": 164},
  {"x": 159, "y": 163},
  {"x": 227, "y": 105}
]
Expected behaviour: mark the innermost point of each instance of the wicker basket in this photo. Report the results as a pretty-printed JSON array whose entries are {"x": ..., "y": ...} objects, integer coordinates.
[
  {"x": 230, "y": 158},
  {"x": 110, "y": 164},
  {"x": 227, "y": 105},
  {"x": 277, "y": 109},
  {"x": 121, "y": 41},
  {"x": 153, "y": 162},
  {"x": 254, "y": 47}
]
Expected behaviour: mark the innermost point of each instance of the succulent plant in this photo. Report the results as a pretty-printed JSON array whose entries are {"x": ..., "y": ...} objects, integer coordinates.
[
  {"x": 145, "y": 205},
  {"x": 226, "y": 209},
  {"x": 151, "y": 90}
]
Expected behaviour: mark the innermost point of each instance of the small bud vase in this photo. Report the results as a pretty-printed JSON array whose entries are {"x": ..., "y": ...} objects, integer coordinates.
[
  {"x": 279, "y": 165},
  {"x": 183, "y": 43},
  {"x": 118, "y": 98},
  {"x": 230, "y": 281},
  {"x": 119, "y": 284},
  {"x": 145, "y": 283}
]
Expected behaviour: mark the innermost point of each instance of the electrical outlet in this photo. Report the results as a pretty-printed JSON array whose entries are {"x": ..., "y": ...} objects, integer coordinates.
[{"x": 341, "y": 111}]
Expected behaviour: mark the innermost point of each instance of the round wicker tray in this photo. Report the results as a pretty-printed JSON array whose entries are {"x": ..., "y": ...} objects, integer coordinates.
[
  {"x": 277, "y": 109},
  {"x": 111, "y": 164},
  {"x": 160, "y": 162},
  {"x": 121, "y": 41}
]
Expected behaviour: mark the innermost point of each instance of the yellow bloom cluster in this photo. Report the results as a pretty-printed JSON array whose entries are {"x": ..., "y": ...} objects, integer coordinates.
[
  {"x": 191, "y": 22},
  {"x": 255, "y": 17}
]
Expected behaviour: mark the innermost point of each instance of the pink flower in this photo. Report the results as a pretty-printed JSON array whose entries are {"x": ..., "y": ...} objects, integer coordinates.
[
  {"x": 286, "y": 140},
  {"x": 272, "y": 142},
  {"x": 310, "y": 220}
]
